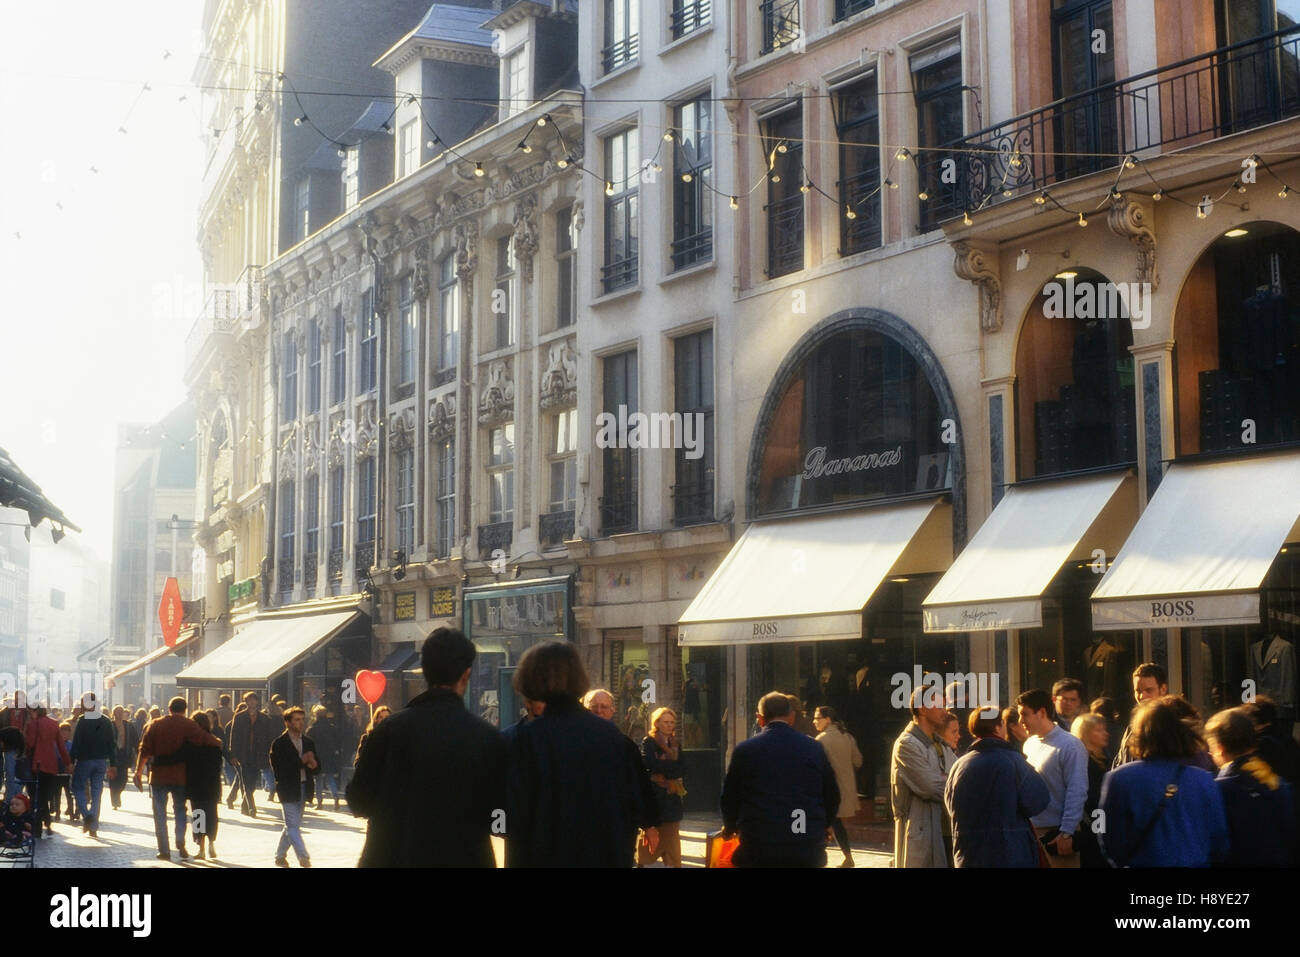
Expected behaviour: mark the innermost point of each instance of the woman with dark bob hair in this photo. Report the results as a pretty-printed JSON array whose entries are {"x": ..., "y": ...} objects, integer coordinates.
[
  {"x": 1160, "y": 810},
  {"x": 578, "y": 791}
]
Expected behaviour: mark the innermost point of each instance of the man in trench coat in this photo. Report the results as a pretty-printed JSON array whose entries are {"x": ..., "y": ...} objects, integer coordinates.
[{"x": 917, "y": 776}]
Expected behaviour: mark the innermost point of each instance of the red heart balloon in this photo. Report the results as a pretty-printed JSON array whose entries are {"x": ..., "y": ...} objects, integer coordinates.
[{"x": 371, "y": 684}]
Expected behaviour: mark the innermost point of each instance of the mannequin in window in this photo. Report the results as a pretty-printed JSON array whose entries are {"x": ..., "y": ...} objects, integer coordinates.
[
  {"x": 858, "y": 718},
  {"x": 1104, "y": 674},
  {"x": 1272, "y": 667}
]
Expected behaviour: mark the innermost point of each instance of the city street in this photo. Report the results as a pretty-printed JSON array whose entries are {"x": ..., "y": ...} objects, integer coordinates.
[{"x": 334, "y": 838}]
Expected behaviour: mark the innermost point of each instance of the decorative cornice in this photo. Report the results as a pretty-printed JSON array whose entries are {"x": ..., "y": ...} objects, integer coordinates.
[
  {"x": 978, "y": 264},
  {"x": 442, "y": 417},
  {"x": 1132, "y": 221},
  {"x": 560, "y": 380},
  {"x": 401, "y": 429},
  {"x": 497, "y": 403},
  {"x": 367, "y": 430}
]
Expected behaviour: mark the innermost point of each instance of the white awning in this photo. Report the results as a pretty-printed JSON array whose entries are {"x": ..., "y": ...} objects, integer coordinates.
[
  {"x": 186, "y": 636},
  {"x": 1201, "y": 549},
  {"x": 264, "y": 648},
  {"x": 808, "y": 578},
  {"x": 998, "y": 580}
]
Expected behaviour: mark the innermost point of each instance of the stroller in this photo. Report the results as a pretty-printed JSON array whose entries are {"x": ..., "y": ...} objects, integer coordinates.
[{"x": 19, "y": 829}]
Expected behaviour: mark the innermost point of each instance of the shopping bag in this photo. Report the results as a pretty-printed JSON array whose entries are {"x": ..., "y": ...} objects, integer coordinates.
[{"x": 719, "y": 851}]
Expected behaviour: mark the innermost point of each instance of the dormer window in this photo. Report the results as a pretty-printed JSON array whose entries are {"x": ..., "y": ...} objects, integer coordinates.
[
  {"x": 351, "y": 176},
  {"x": 516, "y": 83},
  {"x": 622, "y": 36}
]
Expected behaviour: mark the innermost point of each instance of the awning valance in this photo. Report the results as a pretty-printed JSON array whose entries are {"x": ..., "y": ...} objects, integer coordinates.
[
  {"x": 186, "y": 636},
  {"x": 1200, "y": 551},
  {"x": 264, "y": 648},
  {"x": 808, "y": 578},
  {"x": 999, "y": 578}
]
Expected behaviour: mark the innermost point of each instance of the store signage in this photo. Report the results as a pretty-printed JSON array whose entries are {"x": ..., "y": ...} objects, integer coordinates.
[
  {"x": 404, "y": 606},
  {"x": 241, "y": 591},
  {"x": 442, "y": 603},
  {"x": 767, "y": 630},
  {"x": 991, "y": 616},
  {"x": 815, "y": 463},
  {"x": 1175, "y": 611}
]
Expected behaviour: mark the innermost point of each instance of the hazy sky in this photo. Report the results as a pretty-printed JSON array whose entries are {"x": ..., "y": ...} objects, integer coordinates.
[{"x": 98, "y": 295}]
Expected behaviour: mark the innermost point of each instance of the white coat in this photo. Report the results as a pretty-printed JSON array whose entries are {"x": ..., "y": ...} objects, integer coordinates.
[
  {"x": 916, "y": 781},
  {"x": 843, "y": 753}
]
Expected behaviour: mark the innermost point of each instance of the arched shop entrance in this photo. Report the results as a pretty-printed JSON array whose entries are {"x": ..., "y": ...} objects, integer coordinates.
[{"x": 855, "y": 494}]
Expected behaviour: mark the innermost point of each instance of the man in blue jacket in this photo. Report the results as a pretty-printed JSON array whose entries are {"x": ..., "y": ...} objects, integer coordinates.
[
  {"x": 779, "y": 793},
  {"x": 991, "y": 794}
]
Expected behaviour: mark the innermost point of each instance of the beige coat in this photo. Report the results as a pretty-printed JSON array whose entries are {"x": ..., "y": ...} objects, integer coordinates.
[
  {"x": 843, "y": 753},
  {"x": 916, "y": 781}
]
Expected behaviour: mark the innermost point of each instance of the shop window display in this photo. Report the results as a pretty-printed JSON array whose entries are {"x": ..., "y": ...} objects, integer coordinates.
[{"x": 503, "y": 625}]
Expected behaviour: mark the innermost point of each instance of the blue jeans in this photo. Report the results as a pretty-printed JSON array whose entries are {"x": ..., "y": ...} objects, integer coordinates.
[
  {"x": 332, "y": 782},
  {"x": 160, "y": 793},
  {"x": 89, "y": 772},
  {"x": 11, "y": 774},
  {"x": 292, "y": 833},
  {"x": 230, "y": 772}
]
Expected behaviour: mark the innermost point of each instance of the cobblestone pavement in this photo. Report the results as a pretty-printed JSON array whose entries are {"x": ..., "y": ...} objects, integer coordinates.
[{"x": 334, "y": 838}]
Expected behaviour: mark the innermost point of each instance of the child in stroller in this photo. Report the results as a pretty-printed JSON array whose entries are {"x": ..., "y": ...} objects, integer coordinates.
[{"x": 16, "y": 821}]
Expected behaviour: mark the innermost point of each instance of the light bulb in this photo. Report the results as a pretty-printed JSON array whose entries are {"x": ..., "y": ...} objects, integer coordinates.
[
  {"x": 1129, "y": 162},
  {"x": 849, "y": 213},
  {"x": 1041, "y": 198},
  {"x": 1204, "y": 207},
  {"x": 735, "y": 204},
  {"x": 1083, "y": 220},
  {"x": 902, "y": 154},
  {"x": 609, "y": 188},
  {"x": 686, "y": 177},
  {"x": 923, "y": 196},
  {"x": 1253, "y": 160},
  {"x": 429, "y": 144},
  {"x": 891, "y": 184},
  {"x": 965, "y": 219},
  {"x": 776, "y": 177},
  {"x": 1241, "y": 187},
  {"x": 562, "y": 162},
  {"x": 1158, "y": 195},
  {"x": 300, "y": 120},
  {"x": 804, "y": 188},
  {"x": 1284, "y": 192},
  {"x": 1016, "y": 161},
  {"x": 541, "y": 120},
  {"x": 478, "y": 170},
  {"x": 668, "y": 136},
  {"x": 781, "y": 148}
]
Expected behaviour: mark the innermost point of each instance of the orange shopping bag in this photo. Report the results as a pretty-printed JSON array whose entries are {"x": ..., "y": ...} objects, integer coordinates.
[{"x": 718, "y": 852}]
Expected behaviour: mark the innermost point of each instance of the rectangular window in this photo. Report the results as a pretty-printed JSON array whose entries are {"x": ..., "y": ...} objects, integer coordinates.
[
  {"x": 446, "y": 498},
  {"x": 516, "y": 77},
  {"x": 783, "y": 149},
  {"x": 623, "y": 169},
  {"x": 313, "y": 367},
  {"x": 780, "y": 23},
  {"x": 366, "y": 500},
  {"x": 448, "y": 314},
  {"x": 410, "y": 148},
  {"x": 351, "y": 176},
  {"x": 407, "y": 333},
  {"x": 289, "y": 397},
  {"x": 936, "y": 84},
  {"x": 857, "y": 123},
  {"x": 406, "y": 500},
  {"x": 336, "y": 509},
  {"x": 618, "y": 498},
  {"x": 564, "y": 250},
  {"x": 501, "y": 473},
  {"x": 564, "y": 462},
  {"x": 302, "y": 208},
  {"x": 622, "y": 39},
  {"x": 689, "y": 16},
  {"x": 503, "y": 299},
  {"x": 367, "y": 361},
  {"x": 286, "y": 527},
  {"x": 846, "y": 8},
  {"x": 339, "y": 369},
  {"x": 692, "y": 184},
  {"x": 311, "y": 515},
  {"x": 693, "y": 394}
]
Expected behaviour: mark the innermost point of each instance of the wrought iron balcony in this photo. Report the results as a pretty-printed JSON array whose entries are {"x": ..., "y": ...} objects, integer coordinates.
[
  {"x": 693, "y": 504},
  {"x": 309, "y": 561},
  {"x": 618, "y": 515},
  {"x": 555, "y": 527},
  {"x": 284, "y": 574},
  {"x": 494, "y": 536},
  {"x": 620, "y": 53},
  {"x": 690, "y": 250},
  {"x": 365, "y": 557},
  {"x": 334, "y": 565},
  {"x": 861, "y": 193},
  {"x": 620, "y": 273},
  {"x": 689, "y": 15},
  {"x": 780, "y": 23},
  {"x": 785, "y": 236},
  {"x": 1227, "y": 90}
]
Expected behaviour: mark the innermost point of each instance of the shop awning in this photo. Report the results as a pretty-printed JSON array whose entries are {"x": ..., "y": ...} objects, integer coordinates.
[
  {"x": 162, "y": 651},
  {"x": 808, "y": 578},
  {"x": 264, "y": 648},
  {"x": 400, "y": 658},
  {"x": 999, "y": 578},
  {"x": 1200, "y": 551}
]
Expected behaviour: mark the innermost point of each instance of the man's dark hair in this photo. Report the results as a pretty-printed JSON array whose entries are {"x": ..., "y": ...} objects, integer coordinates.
[
  {"x": 1036, "y": 699},
  {"x": 551, "y": 671},
  {"x": 1068, "y": 684},
  {"x": 252, "y": 696},
  {"x": 177, "y": 705},
  {"x": 774, "y": 705},
  {"x": 224, "y": 701},
  {"x": 445, "y": 656},
  {"x": 1234, "y": 730},
  {"x": 981, "y": 726},
  {"x": 1150, "y": 669},
  {"x": 1105, "y": 707},
  {"x": 290, "y": 712},
  {"x": 203, "y": 721},
  {"x": 1263, "y": 711}
]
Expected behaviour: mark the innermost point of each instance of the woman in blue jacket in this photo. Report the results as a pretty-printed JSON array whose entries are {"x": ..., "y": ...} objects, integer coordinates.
[
  {"x": 661, "y": 752},
  {"x": 1158, "y": 810}
]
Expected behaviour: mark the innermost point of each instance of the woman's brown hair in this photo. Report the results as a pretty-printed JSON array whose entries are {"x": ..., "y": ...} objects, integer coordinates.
[
  {"x": 550, "y": 671},
  {"x": 1159, "y": 733}
]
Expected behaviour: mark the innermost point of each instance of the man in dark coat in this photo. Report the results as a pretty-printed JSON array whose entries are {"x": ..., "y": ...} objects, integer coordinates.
[
  {"x": 779, "y": 793},
  {"x": 251, "y": 734},
  {"x": 991, "y": 794},
  {"x": 325, "y": 732},
  {"x": 1256, "y": 800},
  {"x": 294, "y": 766},
  {"x": 432, "y": 777}
]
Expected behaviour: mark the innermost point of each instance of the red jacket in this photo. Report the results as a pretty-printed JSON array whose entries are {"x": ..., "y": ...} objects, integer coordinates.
[
  {"x": 164, "y": 737},
  {"x": 45, "y": 745}
]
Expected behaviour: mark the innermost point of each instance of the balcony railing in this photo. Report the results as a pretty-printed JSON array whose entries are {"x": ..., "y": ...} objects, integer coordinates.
[
  {"x": 620, "y": 53},
  {"x": 1227, "y": 90},
  {"x": 690, "y": 250},
  {"x": 785, "y": 236},
  {"x": 227, "y": 304},
  {"x": 617, "y": 515},
  {"x": 365, "y": 557},
  {"x": 620, "y": 273},
  {"x": 780, "y": 23},
  {"x": 309, "y": 561},
  {"x": 861, "y": 193},
  {"x": 693, "y": 504},
  {"x": 689, "y": 16},
  {"x": 555, "y": 527},
  {"x": 494, "y": 536},
  {"x": 284, "y": 575},
  {"x": 334, "y": 565}
]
